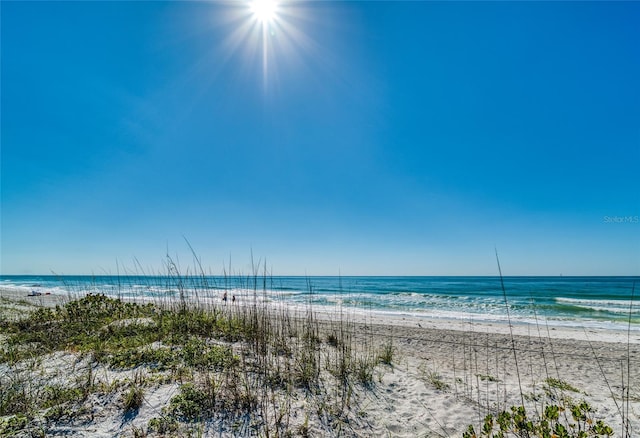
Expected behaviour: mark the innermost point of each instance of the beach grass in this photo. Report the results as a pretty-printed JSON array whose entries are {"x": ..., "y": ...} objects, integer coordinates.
[
  {"x": 254, "y": 369},
  {"x": 230, "y": 364}
]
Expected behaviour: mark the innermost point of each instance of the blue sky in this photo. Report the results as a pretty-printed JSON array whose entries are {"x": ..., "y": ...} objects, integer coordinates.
[{"x": 377, "y": 138}]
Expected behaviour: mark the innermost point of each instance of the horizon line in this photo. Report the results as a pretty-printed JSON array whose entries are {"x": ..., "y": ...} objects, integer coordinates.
[{"x": 327, "y": 275}]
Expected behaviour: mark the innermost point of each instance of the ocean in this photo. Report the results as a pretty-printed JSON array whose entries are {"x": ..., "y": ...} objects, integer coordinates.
[{"x": 594, "y": 302}]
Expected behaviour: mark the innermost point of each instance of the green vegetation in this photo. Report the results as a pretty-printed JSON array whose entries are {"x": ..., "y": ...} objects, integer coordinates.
[
  {"x": 163, "y": 425},
  {"x": 228, "y": 364},
  {"x": 81, "y": 325},
  {"x": 561, "y": 385},
  {"x": 191, "y": 404},
  {"x": 120, "y": 334},
  {"x": 487, "y": 378},
  {"x": 516, "y": 423},
  {"x": 386, "y": 353},
  {"x": 133, "y": 398},
  {"x": 436, "y": 380},
  {"x": 14, "y": 423}
]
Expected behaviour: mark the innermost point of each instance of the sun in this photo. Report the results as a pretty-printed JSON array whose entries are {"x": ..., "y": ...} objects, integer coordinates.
[{"x": 264, "y": 10}]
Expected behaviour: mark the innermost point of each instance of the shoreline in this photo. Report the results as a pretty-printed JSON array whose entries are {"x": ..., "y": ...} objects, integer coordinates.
[{"x": 386, "y": 318}]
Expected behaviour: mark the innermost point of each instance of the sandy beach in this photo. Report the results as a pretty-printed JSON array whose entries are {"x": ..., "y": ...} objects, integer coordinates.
[{"x": 444, "y": 376}]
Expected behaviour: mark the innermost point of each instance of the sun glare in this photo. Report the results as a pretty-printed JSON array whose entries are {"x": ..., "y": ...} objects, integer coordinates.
[
  {"x": 264, "y": 10},
  {"x": 269, "y": 30}
]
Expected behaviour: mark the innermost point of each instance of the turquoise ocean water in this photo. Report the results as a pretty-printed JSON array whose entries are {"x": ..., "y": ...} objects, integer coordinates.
[{"x": 606, "y": 302}]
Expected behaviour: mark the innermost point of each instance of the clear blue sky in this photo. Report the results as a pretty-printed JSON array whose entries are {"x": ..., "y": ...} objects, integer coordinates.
[{"x": 378, "y": 138}]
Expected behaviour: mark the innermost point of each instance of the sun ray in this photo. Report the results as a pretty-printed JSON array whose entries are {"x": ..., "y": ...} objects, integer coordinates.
[{"x": 262, "y": 31}]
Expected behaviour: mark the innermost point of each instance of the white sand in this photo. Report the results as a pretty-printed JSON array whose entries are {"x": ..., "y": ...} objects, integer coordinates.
[
  {"x": 445, "y": 375},
  {"x": 479, "y": 367}
]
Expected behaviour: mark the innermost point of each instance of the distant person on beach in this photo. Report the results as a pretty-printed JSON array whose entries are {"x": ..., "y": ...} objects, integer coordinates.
[
  {"x": 233, "y": 298},
  {"x": 224, "y": 297}
]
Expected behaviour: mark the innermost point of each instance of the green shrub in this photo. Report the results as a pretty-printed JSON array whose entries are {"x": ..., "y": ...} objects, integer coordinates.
[
  {"x": 57, "y": 394},
  {"x": 159, "y": 358},
  {"x": 163, "y": 425},
  {"x": 517, "y": 423},
  {"x": 197, "y": 353},
  {"x": 560, "y": 384},
  {"x": 191, "y": 404},
  {"x": 15, "y": 398},
  {"x": 133, "y": 398},
  {"x": 78, "y": 325},
  {"x": 13, "y": 424}
]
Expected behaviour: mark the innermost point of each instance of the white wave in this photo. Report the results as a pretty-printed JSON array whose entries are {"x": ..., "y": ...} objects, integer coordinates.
[
  {"x": 26, "y": 289},
  {"x": 613, "y": 306},
  {"x": 579, "y": 301}
]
